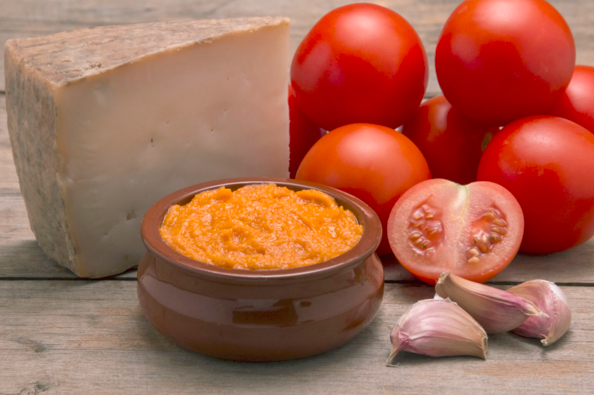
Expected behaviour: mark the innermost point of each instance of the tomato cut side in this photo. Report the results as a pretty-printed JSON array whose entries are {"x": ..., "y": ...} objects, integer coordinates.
[{"x": 473, "y": 231}]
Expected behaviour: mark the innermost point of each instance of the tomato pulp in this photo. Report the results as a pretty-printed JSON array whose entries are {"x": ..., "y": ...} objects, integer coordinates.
[
  {"x": 546, "y": 163},
  {"x": 372, "y": 162},
  {"x": 473, "y": 231}
]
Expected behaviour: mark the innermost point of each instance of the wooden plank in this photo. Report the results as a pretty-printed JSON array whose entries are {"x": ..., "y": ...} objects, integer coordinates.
[
  {"x": 21, "y": 257},
  {"x": 65, "y": 337},
  {"x": 21, "y": 18}
]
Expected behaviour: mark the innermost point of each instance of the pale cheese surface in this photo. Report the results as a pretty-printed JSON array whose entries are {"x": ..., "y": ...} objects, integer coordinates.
[{"x": 135, "y": 113}]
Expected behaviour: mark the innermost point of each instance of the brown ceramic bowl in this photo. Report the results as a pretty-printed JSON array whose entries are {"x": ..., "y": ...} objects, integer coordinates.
[{"x": 260, "y": 315}]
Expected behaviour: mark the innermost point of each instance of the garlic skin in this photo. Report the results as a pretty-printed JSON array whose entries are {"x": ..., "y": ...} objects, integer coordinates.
[
  {"x": 495, "y": 310},
  {"x": 550, "y": 299},
  {"x": 438, "y": 328}
]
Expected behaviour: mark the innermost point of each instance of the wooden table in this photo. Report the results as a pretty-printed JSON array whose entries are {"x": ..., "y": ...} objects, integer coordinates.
[{"x": 64, "y": 335}]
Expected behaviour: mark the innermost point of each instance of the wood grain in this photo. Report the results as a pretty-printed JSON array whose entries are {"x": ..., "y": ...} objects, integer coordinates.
[
  {"x": 23, "y": 18},
  {"x": 93, "y": 338}
]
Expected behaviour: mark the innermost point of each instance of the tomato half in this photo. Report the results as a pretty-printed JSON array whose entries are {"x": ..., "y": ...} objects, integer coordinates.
[
  {"x": 360, "y": 63},
  {"x": 451, "y": 143},
  {"x": 473, "y": 231},
  {"x": 303, "y": 134},
  {"x": 500, "y": 60},
  {"x": 577, "y": 103},
  {"x": 546, "y": 163},
  {"x": 372, "y": 162}
]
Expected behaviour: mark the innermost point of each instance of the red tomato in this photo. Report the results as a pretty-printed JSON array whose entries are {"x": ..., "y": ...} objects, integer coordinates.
[
  {"x": 372, "y": 162},
  {"x": 546, "y": 163},
  {"x": 500, "y": 60},
  {"x": 473, "y": 231},
  {"x": 360, "y": 63},
  {"x": 577, "y": 103},
  {"x": 451, "y": 143},
  {"x": 303, "y": 134}
]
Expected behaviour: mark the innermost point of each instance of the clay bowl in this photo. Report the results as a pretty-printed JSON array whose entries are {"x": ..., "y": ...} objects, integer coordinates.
[{"x": 264, "y": 315}]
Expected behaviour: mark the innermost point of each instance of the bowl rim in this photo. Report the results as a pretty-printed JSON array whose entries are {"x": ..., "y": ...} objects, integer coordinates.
[{"x": 152, "y": 220}]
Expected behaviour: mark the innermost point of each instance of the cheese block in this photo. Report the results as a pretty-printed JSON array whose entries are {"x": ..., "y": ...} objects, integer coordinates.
[{"x": 103, "y": 122}]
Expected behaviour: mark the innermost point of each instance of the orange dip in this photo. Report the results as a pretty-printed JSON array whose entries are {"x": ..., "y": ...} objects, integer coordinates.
[{"x": 261, "y": 227}]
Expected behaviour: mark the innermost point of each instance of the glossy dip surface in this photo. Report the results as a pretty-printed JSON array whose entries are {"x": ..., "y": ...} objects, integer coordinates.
[
  {"x": 260, "y": 315},
  {"x": 261, "y": 226}
]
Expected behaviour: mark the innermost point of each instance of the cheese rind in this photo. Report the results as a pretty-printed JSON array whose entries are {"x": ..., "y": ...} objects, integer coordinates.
[
  {"x": 105, "y": 121},
  {"x": 31, "y": 116}
]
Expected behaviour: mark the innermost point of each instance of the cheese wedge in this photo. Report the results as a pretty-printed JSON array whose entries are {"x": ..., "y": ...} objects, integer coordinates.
[{"x": 105, "y": 121}]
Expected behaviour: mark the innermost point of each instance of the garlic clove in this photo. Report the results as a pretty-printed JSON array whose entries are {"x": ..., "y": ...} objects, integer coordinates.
[
  {"x": 550, "y": 299},
  {"x": 438, "y": 328},
  {"x": 495, "y": 310}
]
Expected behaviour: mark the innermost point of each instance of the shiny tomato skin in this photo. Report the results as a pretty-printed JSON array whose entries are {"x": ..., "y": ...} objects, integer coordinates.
[
  {"x": 473, "y": 231},
  {"x": 577, "y": 102},
  {"x": 501, "y": 60},
  {"x": 303, "y": 134},
  {"x": 546, "y": 163},
  {"x": 360, "y": 63},
  {"x": 451, "y": 143},
  {"x": 372, "y": 162}
]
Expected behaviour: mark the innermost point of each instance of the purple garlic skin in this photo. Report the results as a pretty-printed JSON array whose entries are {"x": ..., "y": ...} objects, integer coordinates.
[
  {"x": 495, "y": 310},
  {"x": 438, "y": 328},
  {"x": 550, "y": 299}
]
